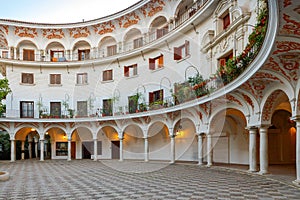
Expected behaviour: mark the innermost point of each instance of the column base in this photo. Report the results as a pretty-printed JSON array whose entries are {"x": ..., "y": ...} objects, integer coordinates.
[
  {"x": 252, "y": 170},
  {"x": 42, "y": 160},
  {"x": 263, "y": 172},
  {"x": 296, "y": 182},
  {"x": 208, "y": 165}
]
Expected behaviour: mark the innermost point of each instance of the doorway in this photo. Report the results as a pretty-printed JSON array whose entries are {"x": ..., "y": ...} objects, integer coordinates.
[{"x": 115, "y": 149}]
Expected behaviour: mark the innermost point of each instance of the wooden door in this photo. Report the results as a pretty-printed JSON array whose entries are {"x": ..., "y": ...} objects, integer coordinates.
[
  {"x": 115, "y": 149},
  {"x": 73, "y": 150}
]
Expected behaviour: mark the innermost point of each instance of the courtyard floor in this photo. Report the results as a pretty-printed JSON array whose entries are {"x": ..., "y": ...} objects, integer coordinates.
[{"x": 112, "y": 179}]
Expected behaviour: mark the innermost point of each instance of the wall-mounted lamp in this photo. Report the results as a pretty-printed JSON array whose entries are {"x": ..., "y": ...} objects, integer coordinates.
[{"x": 178, "y": 131}]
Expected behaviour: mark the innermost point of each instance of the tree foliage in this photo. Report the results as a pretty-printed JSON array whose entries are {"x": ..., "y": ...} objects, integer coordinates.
[{"x": 4, "y": 91}]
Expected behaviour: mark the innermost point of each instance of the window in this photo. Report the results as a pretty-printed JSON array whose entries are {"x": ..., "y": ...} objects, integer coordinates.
[
  {"x": 226, "y": 21},
  {"x": 224, "y": 59},
  {"x": 107, "y": 75},
  {"x": 55, "y": 109},
  {"x": 161, "y": 31},
  {"x": 27, "y": 78},
  {"x": 28, "y": 54},
  {"x": 107, "y": 107},
  {"x": 156, "y": 96},
  {"x": 130, "y": 70},
  {"x": 4, "y": 54},
  {"x": 83, "y": 54},
  {"x": 55, "y": 79},
  {"x": 61, "y": 148},
  {"x": 138, "y": 43},
  {"x": 57, "y": 56},
  {"x": 82, "y": 108},
  {"x": 81, "y": 78},
  {"x": 112, "y": 50},
  {"x": 182, "y": 51},
  {"x": 26, "y": 109},
  {"x": 155, "y": 63}
]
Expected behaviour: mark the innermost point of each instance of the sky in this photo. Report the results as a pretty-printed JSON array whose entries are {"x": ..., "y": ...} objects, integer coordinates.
[{"x": 60, "y": 11}]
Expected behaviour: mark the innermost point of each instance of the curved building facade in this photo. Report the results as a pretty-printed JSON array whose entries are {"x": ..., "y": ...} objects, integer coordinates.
[{"x": 191, "y": 80}]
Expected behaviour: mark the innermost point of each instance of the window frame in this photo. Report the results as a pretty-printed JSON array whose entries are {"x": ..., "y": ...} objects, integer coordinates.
[
  {"x": 130, "y": 68},
  {"x": 112, "y": 50},
  {"x": 153, "y": 61},
  {"x": 26, "y": 80},
  {"x": 107, "y": 75},
  {"x": 54, "y": 79},
  {"x": 83, "y": 80},
  {"x": 178, "y": 51},
  {"x": 28, "y": 113}
]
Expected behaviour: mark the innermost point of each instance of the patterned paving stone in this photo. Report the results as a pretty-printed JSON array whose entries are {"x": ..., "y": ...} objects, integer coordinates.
[{"x": 86, "y": 179}]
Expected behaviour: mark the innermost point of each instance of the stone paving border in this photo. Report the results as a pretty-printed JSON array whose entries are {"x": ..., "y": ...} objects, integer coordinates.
[{"x": 112, "y": 179}]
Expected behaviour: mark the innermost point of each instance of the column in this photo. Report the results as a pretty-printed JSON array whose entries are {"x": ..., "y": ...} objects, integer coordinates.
[
  {"x": 41, "y": 150},
  {"x": 69, "y": 149},
  {"x": 121, "y": 149},
  {"x": 30, "y": 149},
  {"x": 95, "y": 149},
  {"x": 200, "y": 150},
  {"x": 252, "y": 149},
  {"x": 263, "y": 150},
  {"x": 22, "y": 150},
  {"x": 297, "y": 181},
  {"x": 172, "y": 148},
  {"x": 209, "y": 150},
  {"x": 146, "y": 149},
  {"x": 12, "y": 151},
  {"x": 36, "y": 148},
  {"x": 15, "y": 53}
]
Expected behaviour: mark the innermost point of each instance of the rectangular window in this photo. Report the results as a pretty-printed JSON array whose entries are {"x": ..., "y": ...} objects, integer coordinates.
[
  {"x": 107, "y": 107},
  {"x": 57, "y": 56},
  {"x": 107, "y": 75},
  {"x": 28, "y": 54},
  {"x": 224, "y": 59},
  {"x": 55, "y": 79},
  {"x": 161, "y": 31},
  {"x": 83, "y": 54},
  {"x": 156, "y": 63},
  {"x": 156, "y": 96},
  {"x": 26, "y": 109},
  {"x": 55, "y": 109},
  {"x": 61, "y": 148},
  {"x": 82, "y": 78},
  {"x": 182, "y": 51},
  {"x": 138, "y": 43},
  {"x": 4, "y": 54},
  {"x": 112, "y": 50},
  {"x": 82, "y": 108},
  {"x": 27, "y": 78},
  {"x": 226, "y": 21},
  {"x": 130, "y": 70}
]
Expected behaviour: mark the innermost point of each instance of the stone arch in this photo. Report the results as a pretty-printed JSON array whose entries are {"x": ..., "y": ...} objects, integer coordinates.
[
  {"x": 104, "y": 43},
  {"x": 133, "y": 142},
  {"x": 158, "y": 22},
  {"x": 133, "y": 39}
]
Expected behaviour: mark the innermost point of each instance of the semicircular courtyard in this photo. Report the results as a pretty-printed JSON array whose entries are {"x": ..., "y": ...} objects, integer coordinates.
[{"x": 111, "y": 179}]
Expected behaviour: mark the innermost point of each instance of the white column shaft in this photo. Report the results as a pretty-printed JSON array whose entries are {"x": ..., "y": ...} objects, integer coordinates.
[
  {"x": 30, "y": 149},
  {"x": 42, "y": 150},
  {"x": 146, "y": 150},
  {"x": 263, "y": 150},
  {"x": 69, "y": 150},
  {"x": 95, "y": 150},
  {"x": 36, "y": 149},
  {"x": 121, "y": 149},
  {"x": 252, "y": 150},
  {"x": 12, "y": 151},
  {"x": 22, "y": 150},
  {"x": 172, "y": 149},
  {"x": 298, "y": 152},
  {"x": 200, "y": 150},
  {"x": 209, "y": 150}
]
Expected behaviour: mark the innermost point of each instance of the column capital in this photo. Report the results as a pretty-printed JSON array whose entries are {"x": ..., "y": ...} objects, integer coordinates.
[
  {"x": 295, "y": 118},
  {"x": 250, "y": 128}
]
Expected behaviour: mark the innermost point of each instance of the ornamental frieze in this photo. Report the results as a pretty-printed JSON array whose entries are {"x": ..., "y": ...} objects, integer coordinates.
[
  {"x": 79, "y": 32},
  {"x": 153, "y": 7},
  {"x": 291, "y": 26},
  {"x": 268, "y": 107},
  {"x": 106, "y": 27},
  {"x": 274, "y": 66},
  {"x": 231, "y": 98},
  {"x": 287, "y": 3},
  {"x": 26, "y": 32},
  {"x": 53, "y": 33},
  {"x": 128, "y": 20},
  {"x": 286, "y": 46},
  {"x": 5, "y": 28},
  {"x": 290, "y": 63},
  {"x": 248, "y": 100}
]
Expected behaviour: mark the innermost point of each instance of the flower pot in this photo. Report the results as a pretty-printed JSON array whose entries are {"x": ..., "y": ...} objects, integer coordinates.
[{"x": 4, "y": 176}]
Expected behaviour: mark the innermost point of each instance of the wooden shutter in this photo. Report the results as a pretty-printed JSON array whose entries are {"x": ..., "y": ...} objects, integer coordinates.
[
  {"x": 161, "y": 61},
  {"x": 187, "y": 48},
  {"x": 226, "y": 21},
  {"x": 126, "y": 71},
  {"x": 151, "y": 97},
  {"x": 177, "y": 53},
  {"x": 222, "y": 62},
  {"x": 151, "y": 63},
  {"x": 135, "y": 69}
]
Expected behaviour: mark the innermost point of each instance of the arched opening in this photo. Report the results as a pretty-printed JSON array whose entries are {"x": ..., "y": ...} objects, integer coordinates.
[
  {"x": 230, "y": 141},
  {"x": 55, "y": 52},
  {"x": 107, "y": 47},
  {"x": 158, "y": 28},
  {"x": 159, "y": 141},
  {"x": 58, "y": 143},
  {"x": 133, "y": 39},
  {"x": 27, "y": 50},
  {"x": 133, "y": 142},
  {"x": 81, "y": 51},
  {"x": 83, "y": 143},
  {"x": 111, "y": 142},
  {"x": 27, "y": 143}
]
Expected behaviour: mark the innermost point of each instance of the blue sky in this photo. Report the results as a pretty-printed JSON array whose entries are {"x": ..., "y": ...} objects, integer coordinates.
[{"x": 60, "y": 11}]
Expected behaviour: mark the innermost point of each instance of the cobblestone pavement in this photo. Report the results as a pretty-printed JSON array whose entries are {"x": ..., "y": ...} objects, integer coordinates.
[{"x": 111, "y": 179}]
